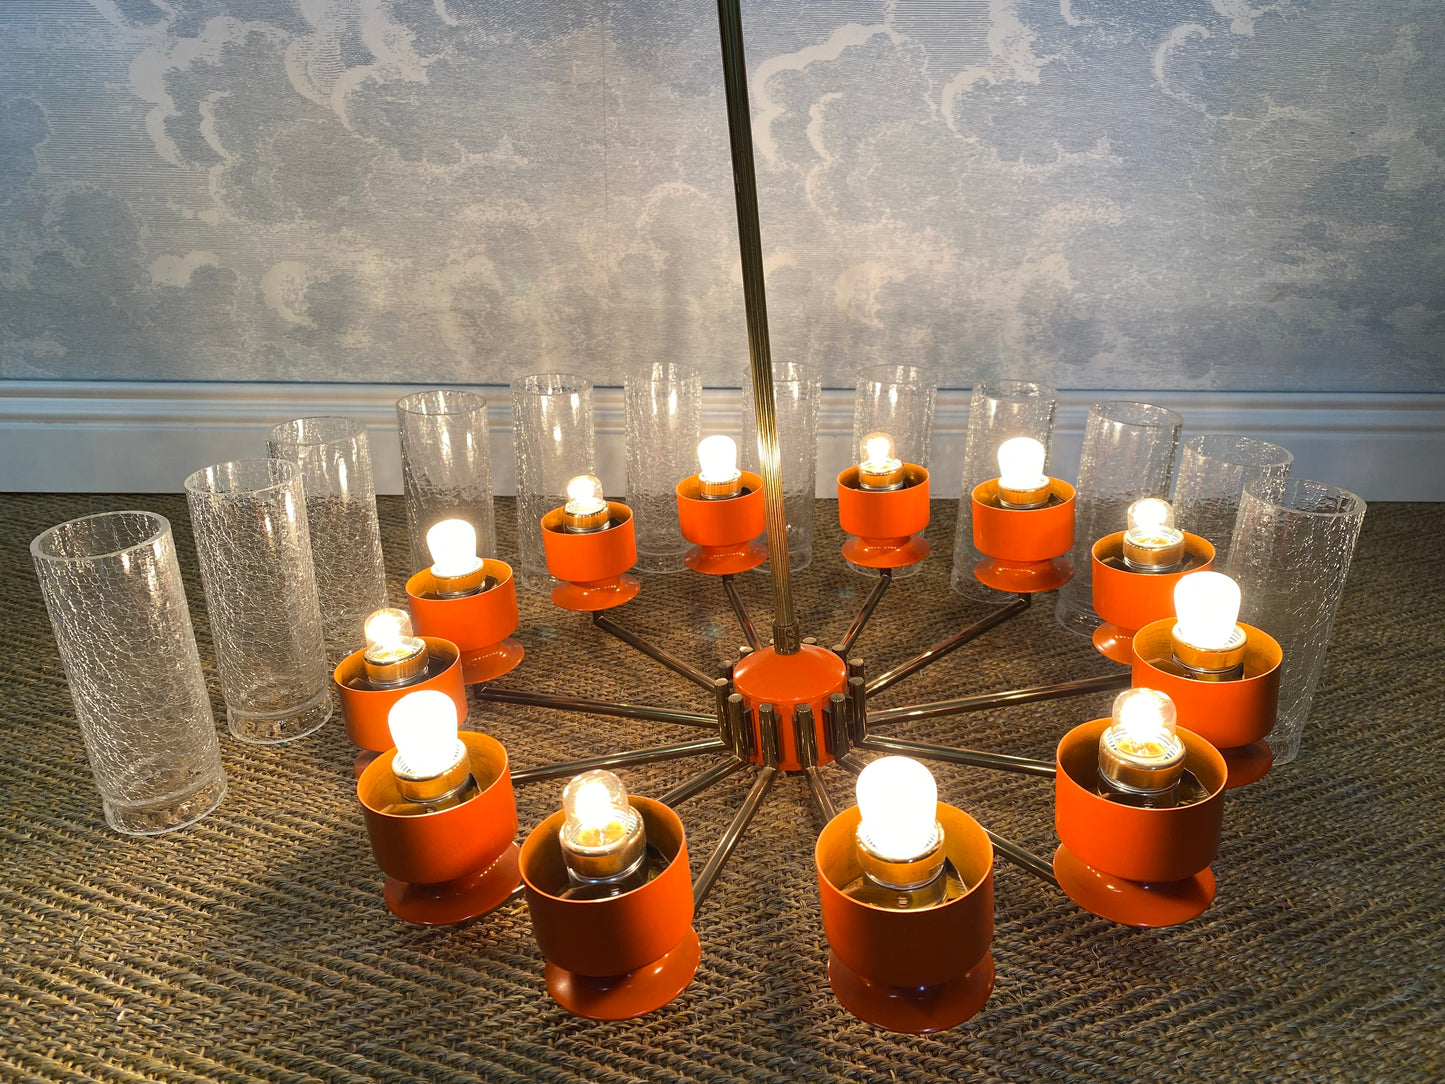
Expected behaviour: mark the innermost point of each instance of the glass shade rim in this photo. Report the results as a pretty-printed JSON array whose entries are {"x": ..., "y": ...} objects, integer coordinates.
[
  {"x": 675, "y": 372},
  {"x": 1280, "y": 493},
  {"x": 199, "y": 483},
  {"x": 1109, "y": 409},
  {"x": 558, "y": 383},
  {"x": 920, "y": 376},
  {"x": 1279, "y": 456},
  {"x": 418, "y": 404},
  {"x": 293, "y": 432},
  {"x": 40, "y": 545},
  {"x": 1004, "y": 391}
]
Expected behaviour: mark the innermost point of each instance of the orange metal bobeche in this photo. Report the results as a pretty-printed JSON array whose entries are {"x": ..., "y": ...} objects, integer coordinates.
[
  {"x": 724, "y": 532},
  {"x": 366, "y": 711},
  {"x": 592, "y": 566},
  {"x": 910, "y": 971},
  {"x": 1233, "y": 716},
  {"x": 480, "y": 625},
  {"x": 809, "y": 677},
  {"x": 615, "y": 958},
  {"x": 886, "y": 525},
  {"x": 454, "y": 864},
  {"x": 1139, "y": 867},
  {"x": 1023, "y": 547},
  {"x": 1130, "y": 600}
]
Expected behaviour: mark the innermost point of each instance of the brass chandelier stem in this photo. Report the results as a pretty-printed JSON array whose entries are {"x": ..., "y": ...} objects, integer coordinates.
[{"x": 786, "y": 638}]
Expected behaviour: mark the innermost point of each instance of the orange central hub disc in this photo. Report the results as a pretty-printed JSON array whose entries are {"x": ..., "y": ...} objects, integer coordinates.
[{"x": 785, "y": 681}]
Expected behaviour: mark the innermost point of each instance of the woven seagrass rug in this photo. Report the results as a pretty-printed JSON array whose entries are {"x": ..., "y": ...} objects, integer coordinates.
[{"x": 255, "y": 945}]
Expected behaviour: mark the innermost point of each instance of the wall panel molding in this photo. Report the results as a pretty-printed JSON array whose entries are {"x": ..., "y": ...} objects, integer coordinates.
[{"x": 145, "y": 437}]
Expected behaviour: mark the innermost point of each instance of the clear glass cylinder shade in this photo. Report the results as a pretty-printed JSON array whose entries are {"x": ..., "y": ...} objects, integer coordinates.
[
  {"x": 1213, "y": 471},
  {"x": 1290, "y": 554},
  {"x": 553, "y": 440},
  {"x": 1129, "y": 452},
  {"x": 664, "y": 426},
  {"x": 998, "y": 411},
  {"x": 250, "y": 521},
  {"x": 897, "y": 400},
  {"x": 336, "y": 474},
  {"x": 797, "y": 393},
  {"x": 113, "y": 591},
  {"x": 446, "y": 467}
]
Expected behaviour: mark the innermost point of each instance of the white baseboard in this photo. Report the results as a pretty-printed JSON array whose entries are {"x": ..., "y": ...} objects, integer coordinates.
[{"x": 145, "y": 437}]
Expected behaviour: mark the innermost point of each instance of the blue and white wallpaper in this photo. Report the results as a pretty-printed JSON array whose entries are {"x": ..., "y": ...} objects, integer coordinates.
[{"x": 1174, "y": 194}]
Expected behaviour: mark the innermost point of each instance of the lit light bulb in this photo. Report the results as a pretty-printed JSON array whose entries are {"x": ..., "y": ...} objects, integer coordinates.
[
  {"x": 597, "y": 813},
  {"x": 1021, "y": 464},
  {"x": 1208, "y": 607},
  {"x": 898, "y": 804},
  {"x": 717, "y": 455},
  {"x": 879, "y": 468},
  {"x": 879, "y": 454},
  {"x": 604, "y": 845},
  {"x": 1152, "y": 543},
  {"x": 1152, "y": 520},
  {"x": 453, "y": 547},
  {"x": 389, "y": 636},
  {"x": 584, "y": 496},
  {"x": 393, "y": 655},
  {"x": 1141, "y": 758},
  {"x": 424, "y": 727},
  {"x": 1143, "y": 726}
]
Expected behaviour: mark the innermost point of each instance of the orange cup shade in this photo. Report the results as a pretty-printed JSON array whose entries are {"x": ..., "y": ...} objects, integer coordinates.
[
  {"x": 1130, "y": 600},
  {"x": 613, "y": 959},
  {"x": 885, "y": 524},
  {"x": 909, "y": 971},
  {"x": 1138, "y": 867},
  {"x": 452, "y": 865},
  {"x": 809, "y": 677},
  {"x": 1233, "y": 716},
  {"x": 591, "y": 566},
  {"x": 366, "y": 712},
  {"x": 1023, "y": 547},
  {"x": 724, "y": 532},
  {"x": 481, "y": 625}
]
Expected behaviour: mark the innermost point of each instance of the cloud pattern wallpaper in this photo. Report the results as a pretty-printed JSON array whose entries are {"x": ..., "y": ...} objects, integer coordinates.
[{"x": 1170, "y": 194}]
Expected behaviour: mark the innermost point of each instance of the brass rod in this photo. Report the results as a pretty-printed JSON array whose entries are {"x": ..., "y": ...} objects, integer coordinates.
[
  {"x": 946, "y": 647},
  {"x": 618, "y": 760},
  {"x": 734, "y": 832},
  {"x": 851, "y": 762},
  {"x": 651, "y": 650},
  {"x": 755, "y": 305},
  {"x": 700, "y": 782},
  {"x": 1025, "y": 860},
  {"x": 1033, "y": 695},
  {"x": 597, "y": 707},
  {"x": 749, "y": 632},
  {"x": 885, "y": 578},
  {"x": 821, "y": 798},
  {"x": 975, "y": 757}
]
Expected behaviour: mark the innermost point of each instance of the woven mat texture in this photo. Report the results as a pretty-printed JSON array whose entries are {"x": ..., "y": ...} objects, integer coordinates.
[{"x": 255, "y": 945}]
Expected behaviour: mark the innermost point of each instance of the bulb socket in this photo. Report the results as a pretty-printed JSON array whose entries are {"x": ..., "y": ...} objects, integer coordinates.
[
  {"x": 909, "y": 874},
  {"x": 1210, "y": 664},
  {"x": 1153, "y": 554},
  {"x": 395, "y": 672},
  {"x": 468, "y": 583},
  {"x": 1128, "y": 774},
  {"x": 609, "y": 862},
  {"x": 586, "y": 522},
  {"x": 879, "y": 481},
  {"x": 719, "y": 491},
  {"x": 427, "y": 789},
  {"x": 1025, "y": 498}
]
